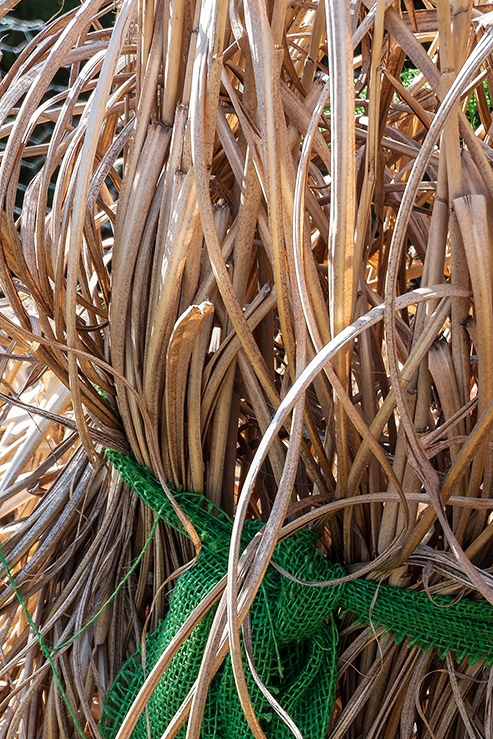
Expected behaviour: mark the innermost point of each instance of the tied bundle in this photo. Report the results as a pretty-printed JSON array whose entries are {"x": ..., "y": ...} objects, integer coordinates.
[{"x": 294, "y": 634}]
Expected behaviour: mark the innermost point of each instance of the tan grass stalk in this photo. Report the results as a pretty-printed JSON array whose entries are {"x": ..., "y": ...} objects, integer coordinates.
[{"x": 213, "y": 269}]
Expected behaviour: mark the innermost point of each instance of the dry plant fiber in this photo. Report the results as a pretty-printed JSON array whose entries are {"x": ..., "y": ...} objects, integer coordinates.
[{"x": 255, "y": 252}]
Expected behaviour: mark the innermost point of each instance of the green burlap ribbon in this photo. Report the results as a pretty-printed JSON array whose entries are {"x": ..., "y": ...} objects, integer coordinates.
[{"x": 294, "y": 633}]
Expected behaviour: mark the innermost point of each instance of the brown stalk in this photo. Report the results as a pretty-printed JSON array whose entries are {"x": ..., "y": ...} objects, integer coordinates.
[{"x": 216, "y": 216}]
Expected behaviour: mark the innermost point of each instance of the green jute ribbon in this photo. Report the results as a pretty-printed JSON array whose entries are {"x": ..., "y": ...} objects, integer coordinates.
[{"x": 293, "y": 630}]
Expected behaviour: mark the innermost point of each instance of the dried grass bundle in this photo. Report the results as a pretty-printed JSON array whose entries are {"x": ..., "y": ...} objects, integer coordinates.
[{"x": 258, "y": 256}]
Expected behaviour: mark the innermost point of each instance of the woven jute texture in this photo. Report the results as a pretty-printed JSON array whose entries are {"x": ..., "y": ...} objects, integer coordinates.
[{"x": 294, "y": 630}]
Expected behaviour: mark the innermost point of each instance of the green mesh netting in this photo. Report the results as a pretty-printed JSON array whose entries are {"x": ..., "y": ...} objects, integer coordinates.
[{"x": 294, "y": 634}]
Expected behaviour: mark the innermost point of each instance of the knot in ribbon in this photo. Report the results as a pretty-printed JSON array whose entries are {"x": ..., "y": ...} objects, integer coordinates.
[{"x": 293, "y": 629}]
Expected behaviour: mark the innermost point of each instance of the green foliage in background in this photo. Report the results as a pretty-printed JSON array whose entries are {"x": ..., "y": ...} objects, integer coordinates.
[{"x": 42, "y": 10}]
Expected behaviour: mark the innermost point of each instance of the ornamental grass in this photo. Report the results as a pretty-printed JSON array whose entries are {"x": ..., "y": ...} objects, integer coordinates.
[{"x": 256, "y": 255}]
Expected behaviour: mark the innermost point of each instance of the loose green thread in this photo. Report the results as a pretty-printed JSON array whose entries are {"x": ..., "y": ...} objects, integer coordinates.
[
  {"x": 42, "y": 643},
  {"x": 115, "y": 592}
]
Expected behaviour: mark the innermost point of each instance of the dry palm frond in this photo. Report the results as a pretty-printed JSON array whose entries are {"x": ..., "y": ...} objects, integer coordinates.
[{"x": 257, "y": 255}]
